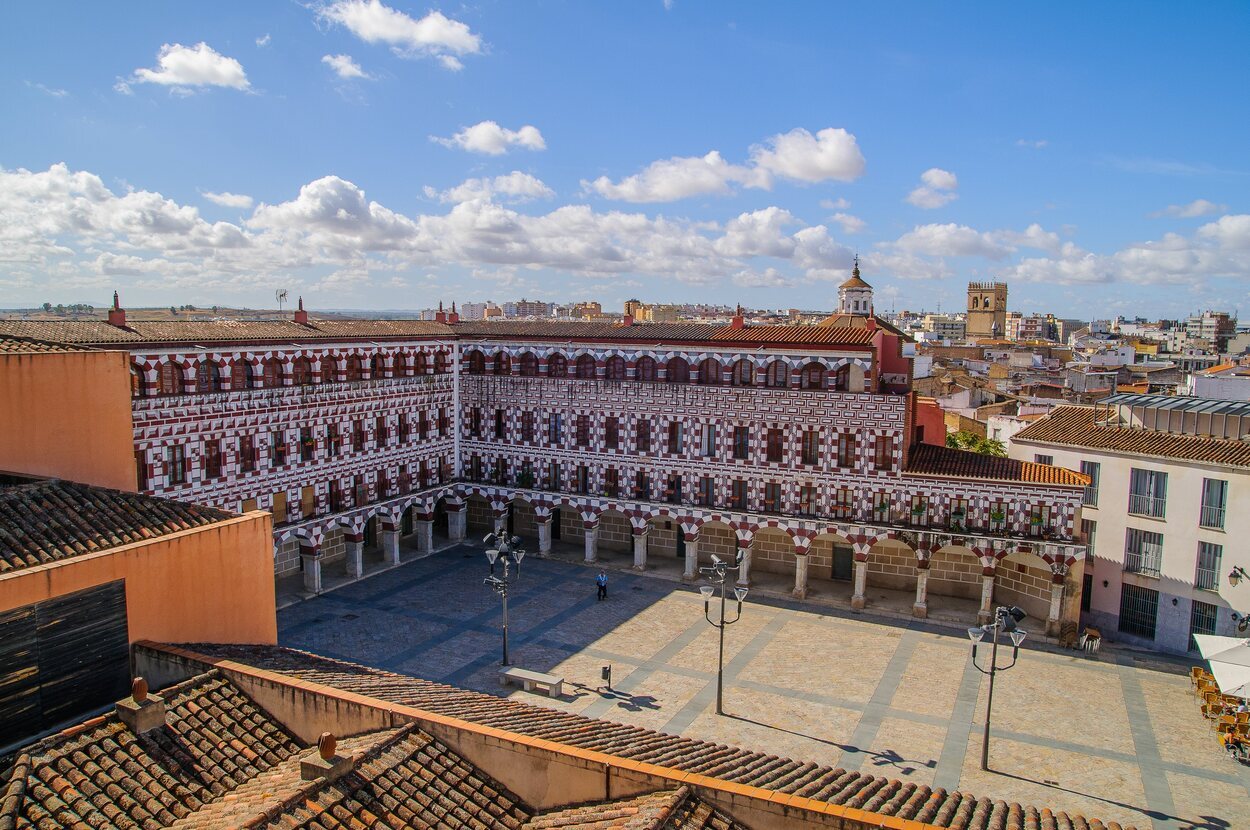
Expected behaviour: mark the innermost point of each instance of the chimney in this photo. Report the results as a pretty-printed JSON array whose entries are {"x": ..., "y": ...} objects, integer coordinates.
[
  {"x": 324, "y": 762},
  {"x": 141, "y": 712},
  {"x": 301, "y": 316},
  {"x": 628, "y": 320},
  {"x": 117, "y": 314},
  {"x": 440, "y": 316},
  {"x": 738, "y": 322},
  {"x": 453, "y": 317}
]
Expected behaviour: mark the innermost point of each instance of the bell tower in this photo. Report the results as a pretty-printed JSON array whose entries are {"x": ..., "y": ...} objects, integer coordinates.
[
  {"x": 987, "y": 310},
  {"x": 855, "y": 295}
]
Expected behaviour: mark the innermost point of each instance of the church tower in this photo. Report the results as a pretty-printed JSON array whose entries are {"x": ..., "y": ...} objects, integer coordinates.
[
  {"x": 855, "y": 295},
  {"x": 987, "y": 310}
]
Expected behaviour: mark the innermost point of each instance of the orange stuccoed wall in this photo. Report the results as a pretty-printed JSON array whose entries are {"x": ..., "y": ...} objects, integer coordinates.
[
  {"x": 207, "y": 584},
  {"x": 67, "y": 415}
]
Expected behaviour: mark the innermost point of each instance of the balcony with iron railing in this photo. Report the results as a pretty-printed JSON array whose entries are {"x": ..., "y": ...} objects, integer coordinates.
[
  {"x": 1208, "y": 579},
  {"x": 1089, "y": 498},
  {"x": 1144, "y": 562},
  {"x": 1211, "y": 517},
  {"x": 1142, "y": 504}
]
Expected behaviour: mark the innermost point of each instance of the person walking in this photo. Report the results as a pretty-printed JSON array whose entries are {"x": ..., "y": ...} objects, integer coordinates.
[{"x": 602, "y": 582}]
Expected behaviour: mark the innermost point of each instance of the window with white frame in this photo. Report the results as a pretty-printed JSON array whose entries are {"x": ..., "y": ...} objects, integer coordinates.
[
  {"x": 1143, "y": 551},
  {"x": 1214, "y": 500},
  {"x": 1147, "y": 493},
  {"x": 1092, "y": 469},
  {"x": 1207, "y": 575}
]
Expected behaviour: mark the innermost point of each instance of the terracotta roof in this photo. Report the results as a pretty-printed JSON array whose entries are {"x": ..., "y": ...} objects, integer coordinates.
[
  {"x": 23, "y": 345},
  {"x": 209, "y": 331},
  {"x": 932, "y": 460},
  {"x": 1074, "y": 426},
  {"x": 668, "y": 333},
  {"x": 854, "y": 282},
  {"x": 50, "y": 520},
  {"x": 678, "y": 809},
  {"x": 872, "y": 793}
]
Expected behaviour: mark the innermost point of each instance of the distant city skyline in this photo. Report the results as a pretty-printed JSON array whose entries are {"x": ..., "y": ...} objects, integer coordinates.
[{"x": 386, "y": 155}]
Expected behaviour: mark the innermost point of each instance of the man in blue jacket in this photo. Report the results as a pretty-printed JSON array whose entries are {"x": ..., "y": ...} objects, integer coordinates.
[{"x": 602, "y": 582}]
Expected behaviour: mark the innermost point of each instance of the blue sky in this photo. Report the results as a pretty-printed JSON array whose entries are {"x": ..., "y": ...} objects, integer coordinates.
[{"x": 389, "y": 155}]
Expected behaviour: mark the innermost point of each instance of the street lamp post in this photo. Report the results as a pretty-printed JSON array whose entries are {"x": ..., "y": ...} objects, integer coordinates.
[
  {"x": 1005, "y": 621},
  {"x": 507, "y": 552},
  {"x": 716, "y": 574}
]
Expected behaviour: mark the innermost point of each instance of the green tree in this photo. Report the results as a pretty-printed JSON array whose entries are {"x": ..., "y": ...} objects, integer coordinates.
[
  {"x": 47, "y": 306},
  {"x": 970, "y": 441}
]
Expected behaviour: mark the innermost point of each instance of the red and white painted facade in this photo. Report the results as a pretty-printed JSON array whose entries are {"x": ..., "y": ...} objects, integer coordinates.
[{"x": 365, "y": 431}]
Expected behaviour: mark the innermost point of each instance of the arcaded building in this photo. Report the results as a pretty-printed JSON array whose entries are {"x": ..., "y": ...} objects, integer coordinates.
[{"x": 801, "y": 446}]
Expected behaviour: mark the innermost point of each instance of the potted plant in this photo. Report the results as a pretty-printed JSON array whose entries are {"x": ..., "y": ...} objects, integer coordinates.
[{"x": 525, "y": 480}]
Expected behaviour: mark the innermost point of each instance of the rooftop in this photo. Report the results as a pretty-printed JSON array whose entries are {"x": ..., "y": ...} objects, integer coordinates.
[
  {"x": 25, "y": 345},
  {"x": 669, "y": 333},
  {"x": 1076, "y": 427},
  {"x": 221, "y": 760},
  {"x": 932, "y": 460},
  {"x": 1205, "y": 406},
  {"x": 99, "y": 332},
  {"x": 864, "y": 791},
  {"x": 48, "y": 520}
]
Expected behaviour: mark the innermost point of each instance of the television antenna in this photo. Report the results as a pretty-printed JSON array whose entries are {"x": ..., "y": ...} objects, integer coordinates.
[{"x": 280, "y": 296}]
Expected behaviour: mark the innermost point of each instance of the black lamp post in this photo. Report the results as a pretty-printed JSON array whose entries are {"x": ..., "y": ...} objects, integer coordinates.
[
  {"x": 1237, "y": 574},
  {"x": 507, "y": 552},
  {"x": 716, "y": 574},
  {"x": 1005, "y": 620}
]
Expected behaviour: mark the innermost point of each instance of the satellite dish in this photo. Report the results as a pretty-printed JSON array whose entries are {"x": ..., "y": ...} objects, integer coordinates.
[{"x": 280, "y": 296}]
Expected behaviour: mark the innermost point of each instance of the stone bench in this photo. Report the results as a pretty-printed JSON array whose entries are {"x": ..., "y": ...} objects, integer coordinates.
[{"x": 531, "y": 680}]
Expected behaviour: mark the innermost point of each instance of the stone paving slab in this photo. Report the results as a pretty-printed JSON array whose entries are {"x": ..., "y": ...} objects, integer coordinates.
[{"x": 1113, "y": 736}]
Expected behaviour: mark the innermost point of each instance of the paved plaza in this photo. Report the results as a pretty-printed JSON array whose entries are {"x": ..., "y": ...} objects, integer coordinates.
[{"x": 1117, "y": 736}]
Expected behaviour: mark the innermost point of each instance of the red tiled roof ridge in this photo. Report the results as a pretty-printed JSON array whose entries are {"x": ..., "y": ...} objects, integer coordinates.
[
  {"x": 909, "y": 801},
  {"x": 935, "y": 460}
]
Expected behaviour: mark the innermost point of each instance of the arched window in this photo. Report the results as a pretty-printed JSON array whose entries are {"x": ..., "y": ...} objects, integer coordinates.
[
  {"x": 646, "y": 368},
  {"x": 440, "y": 363},
  {"x": 170, "y": 378},
  {"x": 812, "y": 376},
  {"x": 420, "y": 364},
  {"x": 207, "y": 377},
  {"x": 273, "y": 373},
  {"x": 557, "y": 366},
  {"x": 678, "y": 371},
  {"x": 529, "y": 365},
  {"x": 301, "y": 372},
  {"x": 586, "y": 367},
  {"x": 329, "y": 370},
  {"x": 242, "y": 375},
  {"x": 744, "y": 373},
  {"x": 778, "y": 374},
  {"x": 842, "y": 378},
  {"x": 477, "y": 363},
  {"x": 377, "y": 367},
  {"x": 615, "y": 368},
  {"x": 138, "y": 388},
  {"x": 503, "y": 364},
  {"x": 709, "y": 372},
  {"x": 355, "y": 368}
]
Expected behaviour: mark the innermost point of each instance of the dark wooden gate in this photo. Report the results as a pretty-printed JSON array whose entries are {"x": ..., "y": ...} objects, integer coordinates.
[{"x": 62, "y": 658}]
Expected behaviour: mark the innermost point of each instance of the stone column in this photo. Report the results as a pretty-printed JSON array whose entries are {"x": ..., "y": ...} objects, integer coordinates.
[
  {"x": 425, "y": 535},
  {"x": 390, "y": 546},
  {"x": 858, "y": 600},
  {"x": 592, "y": 541},
  {"x": 986, "y": 614},
  {"x": 544, "y": 535},
  {"x": 354, "y": 560},
  {"x": 744, "y": 570},
  {"x": 457, "y": 520},
  {"x": 311, "y": 557},
  {"x": 800, "y": 575},
  {"x": 920, "y": 608},
  {"x": 501, "y": 521},
  {"x": 1053, "y": 624},
  {"x": 640, "y": 550},
  {"x": 691, "y": 572}
]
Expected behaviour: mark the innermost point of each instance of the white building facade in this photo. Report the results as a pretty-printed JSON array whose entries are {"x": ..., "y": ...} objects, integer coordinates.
[{"x": 1167, "y": 514}]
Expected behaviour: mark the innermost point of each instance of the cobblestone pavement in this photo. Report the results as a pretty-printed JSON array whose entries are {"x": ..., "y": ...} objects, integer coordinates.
[{"x": 1114, "y": 737}]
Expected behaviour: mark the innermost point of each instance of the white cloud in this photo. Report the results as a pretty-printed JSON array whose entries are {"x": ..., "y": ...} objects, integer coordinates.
[
  {"x": 760, "y": 233},
  {"x": 515, "y": 186},
  {"x": 937, "y": 188},
  {"x": 679, "y": 178},
  {"x": 1230, "y": 232},
  {"x": 768, "y": 278},
  {"x": 668, "y": 5},
  {"x": 52, "y": 92},
  {"x": 345, "y": 67},
  {"x": 1032, "y": 143},
  {"x": 490, "y": 138},
  {"x": 434, "y": 35},
  {"x": 950, "y": 240},
  {"x": 849, "y": 223},
  {"x": 1198, "y": 207},
  {"x": 230, "y": 200},
  {"x": 832, "y": 153},
  {"x": 263, "y": 40},
  {"x": 184, "y": 67},
  {"x": 835, "y": 204}
]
